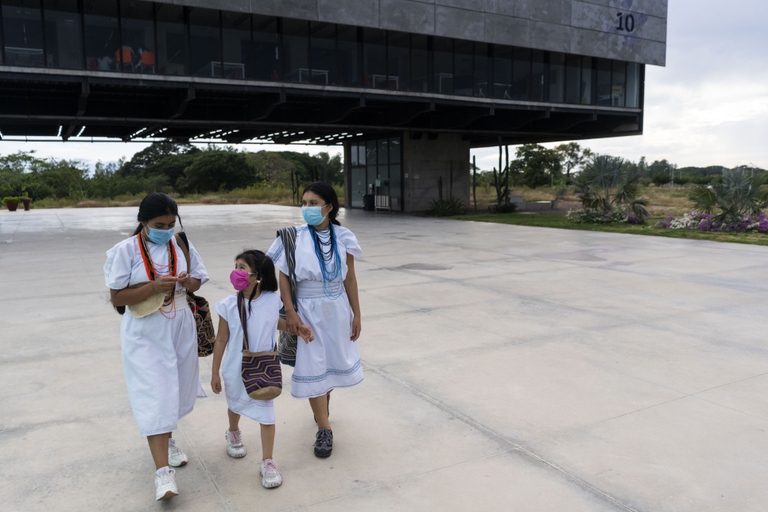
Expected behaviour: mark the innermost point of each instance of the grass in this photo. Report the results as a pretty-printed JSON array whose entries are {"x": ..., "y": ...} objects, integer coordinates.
[{"x": 560, "y": 222}]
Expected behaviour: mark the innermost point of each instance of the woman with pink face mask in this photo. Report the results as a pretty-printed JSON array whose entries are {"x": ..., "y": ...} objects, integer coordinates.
[{"x": 255, "y": 281}]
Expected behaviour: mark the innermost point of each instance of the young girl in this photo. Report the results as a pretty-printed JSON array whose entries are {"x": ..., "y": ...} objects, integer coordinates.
[{"x": 256, "y": 284}]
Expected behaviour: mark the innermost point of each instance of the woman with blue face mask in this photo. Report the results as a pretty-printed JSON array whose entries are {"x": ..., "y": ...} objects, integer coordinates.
[
  {"x": 327, "y": 296},
  {"x": 148, "y": 273}
]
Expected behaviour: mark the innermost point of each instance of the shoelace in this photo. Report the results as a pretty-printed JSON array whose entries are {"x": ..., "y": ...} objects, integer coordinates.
[
  {"x": 269, "y": 467},
  {"x": 325, "y": 436},
  {"x": 235, "y": 438},
  {"x": 165, "y": 478},
  {"x": 174, "y": 449}
]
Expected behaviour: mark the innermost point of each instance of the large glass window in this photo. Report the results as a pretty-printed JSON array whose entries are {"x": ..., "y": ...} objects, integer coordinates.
[
  {"x": 375, "y": 168},
  {"x": 556, "y": 77},
  {"x": 399, "y": 60},
  {"x": 323, "y": 45},
  {"x": 538, "y": 76},
  {"x": 205, "y": 44},
  {"x": 443, "y": 62},
  {"x": 349, "y": 56},
  {"x": 63, "y": 34},
  {"x": 502, "y": 72},
  {"x": 138, "y": 29},
  {"x": 172, "y": 42},
  {"x": 573, "y": 79},
  {"x": 237, "y": 45},
  {"x": 604, "y": 82},
  {"x": 482, "y": 71},
  {"x": 375, "y": 59},
  {"x": 587, "y": 74},
  {"x": 23, "y": 33},
  {"x": 633, "y": 85},
  {"x": 618, "y": 83},
  {"x": 419, "y": 63},
  {"x": 521, "y": 74},
  {"x": 103, "y": 50},
  {"x": 295, "y": 56},
  {"x": 463, "y": 82},
  {"x": 266, "y": 63}
]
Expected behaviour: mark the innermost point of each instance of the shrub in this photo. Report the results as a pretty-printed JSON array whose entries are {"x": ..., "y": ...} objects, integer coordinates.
[
  {"x": 659, "y": 179},
  {"x": 698, "y": 221},
  {"x": 445, "y": 207},
  {"x": 596, "y": 216},
  {"x": 503, "y": 208},
  {"x": 10, "y": 199}
]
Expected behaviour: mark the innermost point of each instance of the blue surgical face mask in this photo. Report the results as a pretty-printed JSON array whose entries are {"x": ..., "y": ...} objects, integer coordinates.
[
  {"x": 160, "y": 236},
  {"x": 313, "y": 215}
]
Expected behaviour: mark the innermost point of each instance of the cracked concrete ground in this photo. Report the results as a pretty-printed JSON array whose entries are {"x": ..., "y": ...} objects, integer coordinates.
[{"x": 507, "y": 368}]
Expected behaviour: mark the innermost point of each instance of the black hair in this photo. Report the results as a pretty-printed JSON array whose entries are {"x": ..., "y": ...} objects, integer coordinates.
[
  {"x": 327, "y": 192},
  {"x": 154, "y": 205},
  {"x": 262, "y": 266}
]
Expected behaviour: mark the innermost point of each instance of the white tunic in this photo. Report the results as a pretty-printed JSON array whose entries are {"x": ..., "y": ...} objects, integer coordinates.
[
  {"x": 332, "y": 360},
  {"x": 262, "y": 328},
  {"x": 159, "y": 353}
]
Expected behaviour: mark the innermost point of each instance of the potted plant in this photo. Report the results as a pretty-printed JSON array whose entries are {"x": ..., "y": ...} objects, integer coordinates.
[
  {"x": 25, "y": 200},
  {"x": 11, "y": 202}
]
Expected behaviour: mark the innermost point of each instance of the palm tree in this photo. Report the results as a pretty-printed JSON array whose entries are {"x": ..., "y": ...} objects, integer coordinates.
[
  {"x": 606, "y": 184},
  {"x": 738, "y": 196}
]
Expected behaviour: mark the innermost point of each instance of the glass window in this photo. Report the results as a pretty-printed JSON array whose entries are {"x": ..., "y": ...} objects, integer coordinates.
[
  {"x": 171, "y": 40},
  {"x": 604, "y": 82},
  {"x": 482, "y": 70},
  {"x": 633, "y": 85},
  {"x": 323, "y": 45},
  {"x": 266, "y": 63},
  {"x": 572, "y": 79},
  {"x": 399, "y": 55},
  {"x": 205, "y": 42},
  {"x": 383, "y": 152},
  {"x": 464, "y": 80},
  {"x": 395, "y": 187},
  {"x": 295, "y": 57},
  {"x": 23, "y": 33},
  {"x": 63, "y": 34},
  {"x": 361, "y": 153},
  {"x": 394, "y": 150},
  {"x": 502, "y": 72},
  {"x": 353, "y": 160},
  {"x": 138, "y": 28},
  {"x": 357, "y": 187},
  {"x": 349, "y": 56},
  {"x": 102, "y": 37},
  {"x": 538, "y": 76},
  {"x": 587, "y": 79},
  {"x": 419, "y": 63},
  {"x": 556, "y": 77},
  {"x": 618, "y": 83},
  {"x": 521, "y": 74},
  {"x": 443, "y": 62},
  {"x": 370, "y": 153},
  {"x": 375, "y": 59},
  {"x": 238, "y": 47}
]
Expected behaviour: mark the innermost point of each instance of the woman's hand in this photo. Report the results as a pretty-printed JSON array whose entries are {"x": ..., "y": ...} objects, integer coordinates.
[
  {"x": 306, "y": 333},
  {"x": 185, "y": 280},
  {"x": 216, "y": 383},
  {"x": 293, "y": 322},
  {"x": 165, "y": 284},
  {"x": 356, "y": 328}
]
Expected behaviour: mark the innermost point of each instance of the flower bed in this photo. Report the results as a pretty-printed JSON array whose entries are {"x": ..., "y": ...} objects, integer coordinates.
[
  {"x": 588, "y": 216},
  {"x": 695, "y": 221}
]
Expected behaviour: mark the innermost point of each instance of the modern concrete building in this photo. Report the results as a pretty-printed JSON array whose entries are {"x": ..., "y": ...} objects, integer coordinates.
[{"x": 407, "y": 86}]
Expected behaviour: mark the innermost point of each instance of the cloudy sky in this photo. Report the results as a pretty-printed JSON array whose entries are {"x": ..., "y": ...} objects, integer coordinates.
[{"x": 708, "y": 106}]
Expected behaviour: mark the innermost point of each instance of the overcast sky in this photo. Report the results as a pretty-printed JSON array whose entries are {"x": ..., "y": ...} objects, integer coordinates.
[{"x": 708, "y": 106}]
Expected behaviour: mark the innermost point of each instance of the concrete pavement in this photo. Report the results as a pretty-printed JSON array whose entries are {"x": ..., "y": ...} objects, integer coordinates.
[{"x": 507, "y": 368}]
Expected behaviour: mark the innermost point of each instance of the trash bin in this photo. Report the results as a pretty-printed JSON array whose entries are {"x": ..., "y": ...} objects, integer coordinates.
[{"x": 369, "y": 204}]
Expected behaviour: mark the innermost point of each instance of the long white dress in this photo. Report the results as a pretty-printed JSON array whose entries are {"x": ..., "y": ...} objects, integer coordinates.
[
  {"x": 159, "y": 353},
  {"x": 332, "y": 360},
  {"x": 262, "y": 329}
]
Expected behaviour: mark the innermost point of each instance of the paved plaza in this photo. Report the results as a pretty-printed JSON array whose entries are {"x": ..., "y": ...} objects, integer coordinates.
[{"x": 506, "y": 368}]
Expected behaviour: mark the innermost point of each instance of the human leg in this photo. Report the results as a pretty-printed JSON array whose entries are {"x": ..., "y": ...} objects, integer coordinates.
[
  {"x": 158, "y": 446},
  {"x": 235, "y": 447},
  {"x": 319, "y": 406},
  {"x": 270, "y": 475},
  {"x": 267, "y": 441}
]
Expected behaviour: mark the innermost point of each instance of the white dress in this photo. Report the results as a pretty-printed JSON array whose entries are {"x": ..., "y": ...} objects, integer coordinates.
[
  {"x": 262, "y": 329},
  {"x": 332, "y": 360},
  {"x": 159, "y": 353}
]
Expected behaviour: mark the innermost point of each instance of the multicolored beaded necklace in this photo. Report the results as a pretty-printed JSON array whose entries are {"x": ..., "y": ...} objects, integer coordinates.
[{"x": 155, "y": 270}]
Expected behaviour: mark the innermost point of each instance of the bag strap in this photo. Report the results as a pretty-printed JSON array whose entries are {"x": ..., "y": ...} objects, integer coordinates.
[
  {"x": 243, "y": 320},
  {"x": 288, "y": 236}
]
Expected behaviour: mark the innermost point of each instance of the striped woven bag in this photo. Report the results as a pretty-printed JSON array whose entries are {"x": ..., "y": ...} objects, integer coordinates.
[{"x": 261, "y": 372}]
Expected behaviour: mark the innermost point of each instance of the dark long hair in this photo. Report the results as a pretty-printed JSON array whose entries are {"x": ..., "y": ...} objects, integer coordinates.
[
  {"x": 154, "y": 205},
  {"x": 262, "y": 266},
  {"x": 327, "y": 192}
]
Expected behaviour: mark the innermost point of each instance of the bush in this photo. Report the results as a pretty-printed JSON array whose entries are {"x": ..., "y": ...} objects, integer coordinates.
[
  {"x": 592, "y": 216},
  {"x": 445, "y": 207},
  {"x": 697, "y": 221},
  {"x": 659, "y": 179},
  {"x": 10, "y": 199},
  {"x": 681, "y": 180},
  {"x": 503, "y": 208}
]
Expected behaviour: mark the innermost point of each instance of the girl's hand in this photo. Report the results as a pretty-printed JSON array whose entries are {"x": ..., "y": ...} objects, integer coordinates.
[
  {"x": 185, "y": 280},
  {"x": 165, "y": 284},
  {"x": 356, "y": 328},
  {"x": 293, "y": 323},
  {"x": 306, "y": 333},
  {"x": 216, "y": 383}
]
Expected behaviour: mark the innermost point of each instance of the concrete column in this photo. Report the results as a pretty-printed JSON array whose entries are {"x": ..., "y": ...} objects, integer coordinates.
[{"x": 425, "y": 160}]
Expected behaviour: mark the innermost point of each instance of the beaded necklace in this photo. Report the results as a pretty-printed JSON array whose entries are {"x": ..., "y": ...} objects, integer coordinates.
[
  {"x": 155, "y": 270},
  {"x": 330, "y": 263}
]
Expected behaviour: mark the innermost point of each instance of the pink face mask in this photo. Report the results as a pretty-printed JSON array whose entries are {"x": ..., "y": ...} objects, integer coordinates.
[{"x": 239, "y": 279}]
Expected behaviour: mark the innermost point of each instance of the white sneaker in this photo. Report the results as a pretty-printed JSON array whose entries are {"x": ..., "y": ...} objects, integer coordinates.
[
  {"x": 270, "y": 475},
  {"x": 235, "y": 446},
  {"x": 176, "y": 457},
  {"x": 165, "y": 484}
]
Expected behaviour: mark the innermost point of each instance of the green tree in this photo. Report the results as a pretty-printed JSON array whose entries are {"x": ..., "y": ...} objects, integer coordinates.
[
  {"x": 572, "y": 156},
  {"x": 737, "y": 196},
  {"x": 217, "y": 170},
  {"x": 145, "y": 161},
  {"x": 606, "y": 184},
  {"x": 271, "y": 168},
  {"x": 537, "y": 165}
]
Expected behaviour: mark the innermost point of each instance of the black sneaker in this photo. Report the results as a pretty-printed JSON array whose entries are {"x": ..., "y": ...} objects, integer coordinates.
[{"x": 324, "y": 443}]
